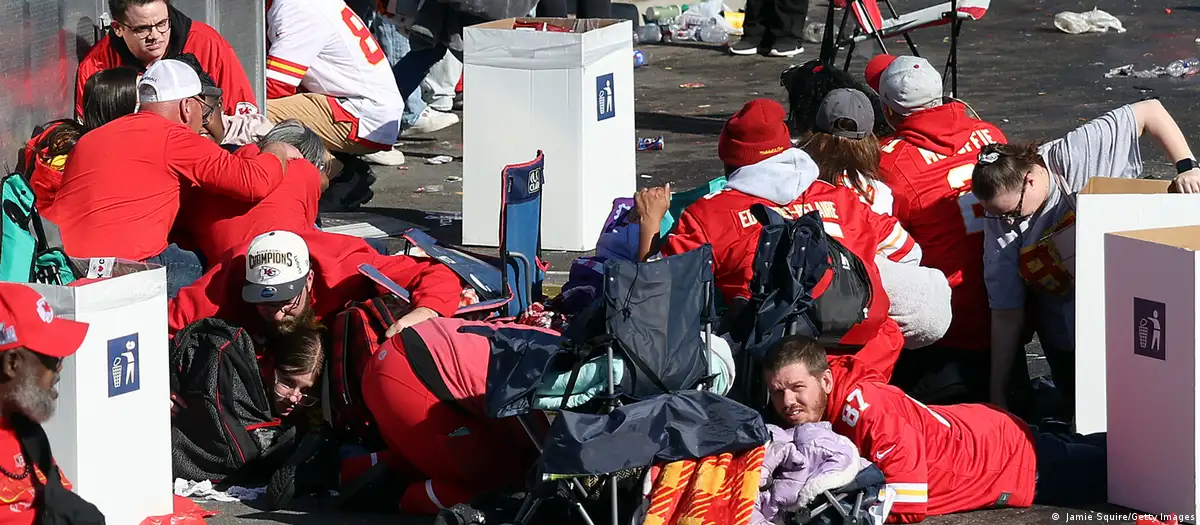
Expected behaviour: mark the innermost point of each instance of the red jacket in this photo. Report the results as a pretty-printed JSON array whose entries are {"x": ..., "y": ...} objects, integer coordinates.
[
  {"x": 214, "y": 53},
  {"x": 120, "y": 190},
  {"x": 215, "y": 225},
  {"x": 788, "y": 183},
  {"x": 938, "y": 459},
  {"x": 928, "y": 165},
  {"x": 335, "y": 260}
]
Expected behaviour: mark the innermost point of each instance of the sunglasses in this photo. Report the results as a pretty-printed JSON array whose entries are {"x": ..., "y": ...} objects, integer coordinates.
[{"x": 51, "y": 363}]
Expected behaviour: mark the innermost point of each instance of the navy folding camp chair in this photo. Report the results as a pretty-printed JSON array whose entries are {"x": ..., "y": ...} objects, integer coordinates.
[
  {"x": 656, "y": 317},
  {"x": 507, "y": 284}
]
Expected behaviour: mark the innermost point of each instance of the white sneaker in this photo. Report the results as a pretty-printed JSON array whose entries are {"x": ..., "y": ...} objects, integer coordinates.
[
  {"x": 431, "y": 120},
  {"x": 392, "y": 157}
]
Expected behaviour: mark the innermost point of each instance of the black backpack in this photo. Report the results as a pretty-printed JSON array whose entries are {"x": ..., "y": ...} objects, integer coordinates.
[
  {"x": 226, "y": 429},
  {"x": 792, "y": 258}
]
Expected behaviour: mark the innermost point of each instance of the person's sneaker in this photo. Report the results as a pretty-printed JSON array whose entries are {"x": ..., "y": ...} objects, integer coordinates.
[
  {"x": 392, "y": 157},
  {"x": 429, "y": 121},
  {"x": 785, "y": 49},
  {"x": 745, "y": 46}
]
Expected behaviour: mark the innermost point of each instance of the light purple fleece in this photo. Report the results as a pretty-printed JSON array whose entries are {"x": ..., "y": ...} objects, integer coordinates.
[{"x": 799, "y": 464}]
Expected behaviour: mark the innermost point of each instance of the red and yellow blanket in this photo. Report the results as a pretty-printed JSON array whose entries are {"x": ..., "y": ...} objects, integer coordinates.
[{"x": 717, "y": 490}]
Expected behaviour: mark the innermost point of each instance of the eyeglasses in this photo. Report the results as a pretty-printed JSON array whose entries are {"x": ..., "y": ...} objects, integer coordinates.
[
  {"x": 51, "y": 363},
  {"x": 1015, "y": 214},
  {"x": 208, "y": 110},
  {"x": 290, "y": 392},
  {"x": 162, "y": 26}
]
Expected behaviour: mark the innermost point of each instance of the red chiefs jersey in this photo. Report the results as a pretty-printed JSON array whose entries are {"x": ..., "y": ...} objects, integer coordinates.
[
  {"x": 936, "y": 459},
  {"x": 214, "y": 53},
  {"x": 928, "y": 165},
  {"x": 723, "y": 219}
]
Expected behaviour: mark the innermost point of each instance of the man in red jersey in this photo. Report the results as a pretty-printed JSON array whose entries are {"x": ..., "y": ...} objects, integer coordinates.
[
  {"x": 764, "y": 168},
  {"x": 287, "y": 280},
  {"x": 928, "y": 163},
  {"x": 144, "y": 31},
  {"x": 936, "y": 459},
  {"x": 120, "y": 192}
]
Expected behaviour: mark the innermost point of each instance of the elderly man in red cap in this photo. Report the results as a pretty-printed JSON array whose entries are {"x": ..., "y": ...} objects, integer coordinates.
[
  {"x": 928, "y": 163},
  {"x": 764, "y": 168},
  {"x": 33, "y": 344}
]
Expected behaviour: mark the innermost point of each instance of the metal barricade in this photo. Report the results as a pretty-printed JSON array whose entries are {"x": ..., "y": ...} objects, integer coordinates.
[{"x": 41, "y": 42}]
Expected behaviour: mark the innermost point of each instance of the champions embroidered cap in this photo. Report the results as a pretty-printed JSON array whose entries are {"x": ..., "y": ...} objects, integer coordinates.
[
  {"x": 277, "y": 267},
  {"x": 27, "y": 320},
  {"x": 910, "y": 84},
  {"x": 168, "y": 80}
]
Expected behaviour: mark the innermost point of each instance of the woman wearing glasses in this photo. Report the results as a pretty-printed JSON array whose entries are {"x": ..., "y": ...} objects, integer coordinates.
[{"x": 1028, "y": 195}]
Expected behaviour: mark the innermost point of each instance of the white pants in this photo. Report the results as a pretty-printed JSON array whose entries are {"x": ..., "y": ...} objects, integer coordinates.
[{"x": 438, "y": 86}]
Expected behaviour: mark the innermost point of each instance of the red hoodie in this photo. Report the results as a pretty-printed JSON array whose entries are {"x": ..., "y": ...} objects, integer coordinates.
[
  {"x": 928, "y": 165},
  {"x": 788, "y": 184},
  {"x": 938, "y": 459},
  {"x": 335, "y": 260}
]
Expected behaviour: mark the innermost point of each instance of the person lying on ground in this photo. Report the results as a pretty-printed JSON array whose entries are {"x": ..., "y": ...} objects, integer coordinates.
[
  {"x": 764, "y": 168},
  {"x": 213, "y": 225},
  {"x": 936, "y": 459},
  {"x": 928, "y": 164},
  {"x": 326, "y": 70},
  {"x": 286, "y": 280},
  {"x": 103, "y": 211},
  {"x": 1028, "y": 193},
  {"x": 32, "y": 348},
  {"x": 424, "y": 389},
  {"x": 291, "y": 367},
  {"x": 144, "y": 31},
  {"x": 108, "y": 95}
]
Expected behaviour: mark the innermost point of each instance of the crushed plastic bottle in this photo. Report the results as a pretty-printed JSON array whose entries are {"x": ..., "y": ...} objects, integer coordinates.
[
  {"x": 814, "y": 32},
  {"x": 647, "y": 34},
  {"x": 1183, "y": 68},
  {"x": 712, "y": 34}
]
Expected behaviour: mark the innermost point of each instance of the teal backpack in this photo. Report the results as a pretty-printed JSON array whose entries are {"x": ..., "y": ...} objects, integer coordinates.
[{"x": 25, "y": 256}]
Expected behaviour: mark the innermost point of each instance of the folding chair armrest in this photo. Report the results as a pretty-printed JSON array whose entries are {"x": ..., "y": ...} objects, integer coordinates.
[{"x": 526, "y": 286}]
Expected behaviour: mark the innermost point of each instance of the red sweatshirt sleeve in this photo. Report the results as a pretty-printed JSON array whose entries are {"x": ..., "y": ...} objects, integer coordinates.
[
  {"x": 227, "y": 71},
  {"x": 200, "y": 299},
  {"x": 213, "y": 169},
  {"x": 432, "y": 285},
  {"x": 885, "y": 438},
  {"x": 89, "y": 66}
]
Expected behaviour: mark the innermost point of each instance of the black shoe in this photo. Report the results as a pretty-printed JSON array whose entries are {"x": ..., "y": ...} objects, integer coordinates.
[
  {"x": 351, "y": 188},
  {"x": 745, "y": 46},
  {"x": 785, "y": 48},
  {"x": 313, "y": 468}
]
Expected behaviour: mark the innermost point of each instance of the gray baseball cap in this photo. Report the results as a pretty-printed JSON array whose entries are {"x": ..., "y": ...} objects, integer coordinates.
[
  {"x": 849, "y": 104},
  {"x": 910, "y": 84}
]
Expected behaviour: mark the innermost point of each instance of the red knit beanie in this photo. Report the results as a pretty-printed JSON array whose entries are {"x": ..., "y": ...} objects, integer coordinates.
[{"x": 755, "y": 133}]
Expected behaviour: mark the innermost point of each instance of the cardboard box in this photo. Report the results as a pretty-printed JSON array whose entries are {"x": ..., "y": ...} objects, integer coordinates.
[
  {"x": 569, "y": 94},
  {"x": 1152, "y": 297},
  {"x": 111, "y": 432},
  {"x": 1109, "y": 205}
]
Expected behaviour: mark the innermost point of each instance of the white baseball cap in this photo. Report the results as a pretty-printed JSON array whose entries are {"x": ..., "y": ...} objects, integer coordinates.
[
  {"x": 168, "y": 80},
  {"x": 277, "y": 267},
  {"x": 910, "y": 84}
]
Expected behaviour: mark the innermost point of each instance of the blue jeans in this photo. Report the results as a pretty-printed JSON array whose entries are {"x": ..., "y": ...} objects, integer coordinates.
[
  {"x": 395, "y": 46},
  {"x": 183, "y": 268}
]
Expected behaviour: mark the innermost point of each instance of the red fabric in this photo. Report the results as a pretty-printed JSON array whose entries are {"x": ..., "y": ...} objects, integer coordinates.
[
  {"x": 44, "y": 181},
  {"x": 17, "y": 495},
  {"x": 119, "y": 200},
  {"x": 215, "y": 224},
  {"x": 187, "y": 512},
  {"x": 928, "y": 164},
  {"x": 875, "y": 69},
  {"x": 754, "y": 133},
  {"x": 724, "y": 221},
  {"x": 277, "y": 89},
  {"x": 29, "y": 322},
  {"x": 463, "y": 456},
  {"x": 939, "y": 459},
  {"x": 335, "y": 260},
  {"x": 215, "y": 54}
]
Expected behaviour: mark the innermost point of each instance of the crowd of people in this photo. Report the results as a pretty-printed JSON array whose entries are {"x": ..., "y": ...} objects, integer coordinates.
[{"x": 954, "y": 228}]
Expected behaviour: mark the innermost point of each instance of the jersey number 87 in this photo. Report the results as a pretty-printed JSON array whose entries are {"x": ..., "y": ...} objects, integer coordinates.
[{"x": 366, "y": 42}]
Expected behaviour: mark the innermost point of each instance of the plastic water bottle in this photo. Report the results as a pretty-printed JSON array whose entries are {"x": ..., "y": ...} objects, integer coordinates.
[
  {"x": 639, "y": 59},
  {"x": 647, "y": 34},
  {"x": 1183, "y": 68},
  {"x": 713, "y": 34}
]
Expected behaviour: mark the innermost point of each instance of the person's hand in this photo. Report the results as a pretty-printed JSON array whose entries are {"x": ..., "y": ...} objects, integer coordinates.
[
  {"x": 418, "y": 315},
  {"x": 282, "y": 150},
  {"x": 651, "y": 204},
  {"x": 176, "y": 404},
  {"x": 1186, "y": 182}
]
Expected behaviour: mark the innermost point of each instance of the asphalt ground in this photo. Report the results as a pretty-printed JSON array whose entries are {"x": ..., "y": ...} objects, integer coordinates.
[{"x": 1016, "y": 70}]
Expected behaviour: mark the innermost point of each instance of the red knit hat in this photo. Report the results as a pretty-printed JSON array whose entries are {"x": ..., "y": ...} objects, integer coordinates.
[
  {"x": 755, "y": 133},
  {"x": 875, "y": 69}
]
